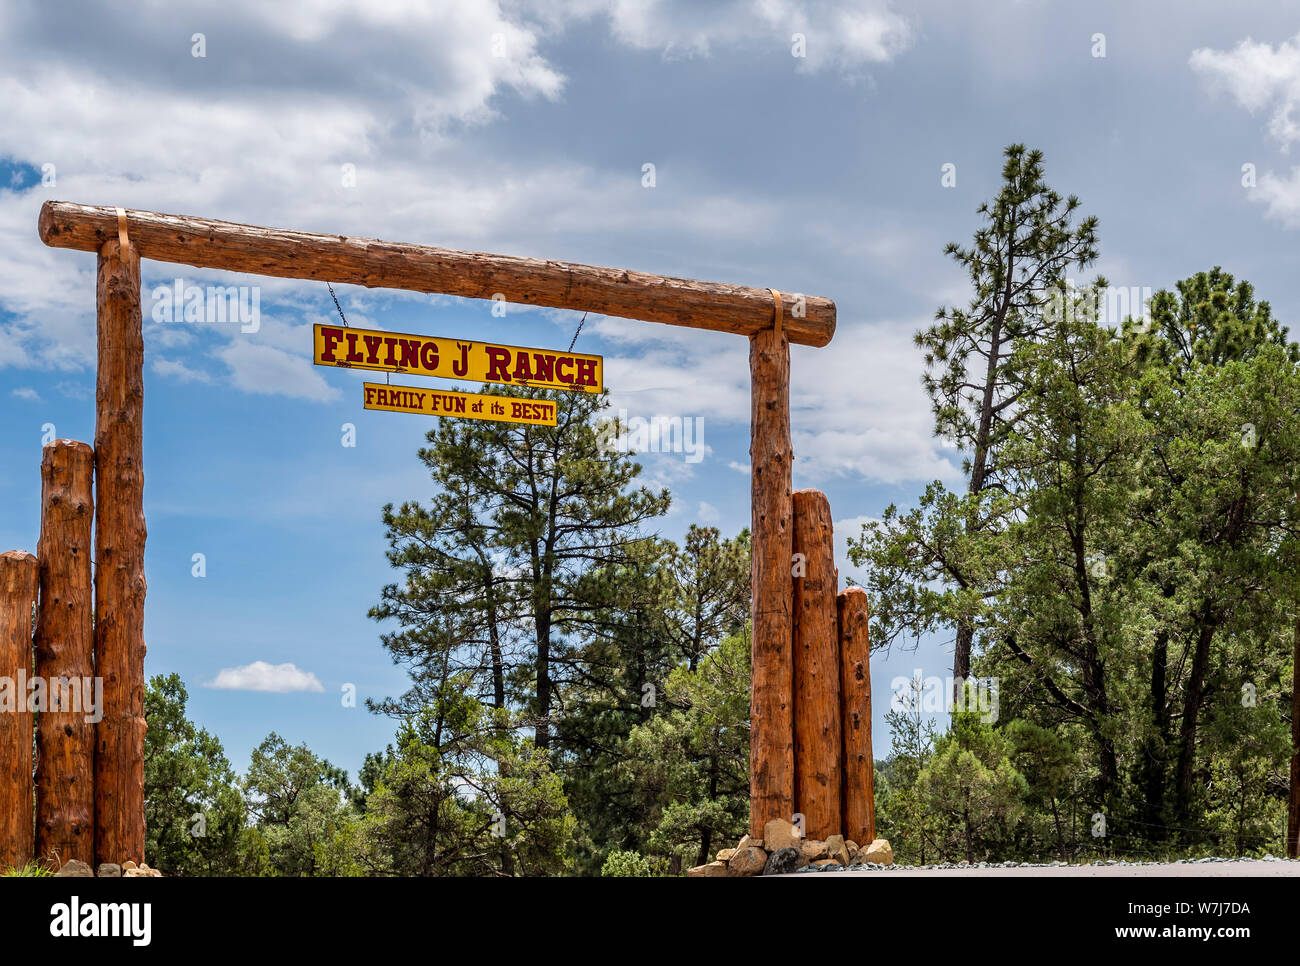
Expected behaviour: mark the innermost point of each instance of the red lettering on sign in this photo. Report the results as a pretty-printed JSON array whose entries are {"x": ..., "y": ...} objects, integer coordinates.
[
  {"x": 410, "y": 353},
  {"x": 586, "y": 372},
  {"x": 373, "y": 342},
  {"x": 353, "y": 354},
  {"x": 331, "y": 337},
  {"x": 429, "y": 355},
  {"x": 391, "y": 360},
  {"x": 545, "y": 367},
  {"x": 523, "y": 371},
  {"x": 498, "y": 360},
  {"x": 559, "y": 370}
]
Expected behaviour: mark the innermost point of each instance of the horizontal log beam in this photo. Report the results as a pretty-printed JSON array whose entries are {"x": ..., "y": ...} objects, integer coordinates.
[{"x": 232, "y": 247}]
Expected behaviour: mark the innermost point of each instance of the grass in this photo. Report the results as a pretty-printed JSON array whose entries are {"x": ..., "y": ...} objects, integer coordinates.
[{"x": 32, "y": 870}]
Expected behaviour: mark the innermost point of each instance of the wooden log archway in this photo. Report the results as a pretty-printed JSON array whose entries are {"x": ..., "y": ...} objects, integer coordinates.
[{"x": 771, "y": 319}]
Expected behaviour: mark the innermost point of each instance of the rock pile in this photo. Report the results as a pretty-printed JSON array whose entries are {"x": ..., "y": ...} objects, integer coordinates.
[
  {"x": 108, "y": 870},
  {"x": 783, "y": 850}
]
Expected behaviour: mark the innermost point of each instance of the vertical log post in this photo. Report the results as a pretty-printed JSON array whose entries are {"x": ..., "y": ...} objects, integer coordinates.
[
  {"x": 817, "y": 741},
  {"x": 855, "y": 696},
  {"x": 119, "y": 559},
  {"x": 65, "y": 660},
  {"x": 18, "y": 582},
  {"x": 771, "y": 752}
]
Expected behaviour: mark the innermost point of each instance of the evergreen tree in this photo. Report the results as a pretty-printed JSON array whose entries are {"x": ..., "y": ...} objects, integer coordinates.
[{"x": 194, "y": 815}]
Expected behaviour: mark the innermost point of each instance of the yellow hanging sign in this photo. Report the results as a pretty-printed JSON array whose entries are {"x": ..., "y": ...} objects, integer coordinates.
[
  {"x": 423, "y": 355},
  {"x": 467, "y": 405}
]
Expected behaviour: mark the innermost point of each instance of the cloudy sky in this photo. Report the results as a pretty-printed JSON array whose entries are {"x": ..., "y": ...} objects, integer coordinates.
[{"x": 525, "y": 128}]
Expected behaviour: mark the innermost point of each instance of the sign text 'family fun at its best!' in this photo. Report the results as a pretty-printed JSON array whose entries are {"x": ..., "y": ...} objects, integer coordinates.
[
  {"x": 422, "y": 355},
  {"x": 467, "y": 405}
]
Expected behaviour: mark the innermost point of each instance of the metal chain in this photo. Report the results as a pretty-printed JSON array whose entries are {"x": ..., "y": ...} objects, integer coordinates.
[
  {"x": 340, "y": 308},
  {"x": 575, "y": 335}
]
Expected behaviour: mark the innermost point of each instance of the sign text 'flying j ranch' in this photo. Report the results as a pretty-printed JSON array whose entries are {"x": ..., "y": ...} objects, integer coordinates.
[{"x": 352, "y": 348}]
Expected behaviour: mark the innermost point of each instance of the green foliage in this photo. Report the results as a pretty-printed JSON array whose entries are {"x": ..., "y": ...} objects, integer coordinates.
[
  {"x": 626, "y": 865},
  {"x": 32, "y": 870},
  {"x": 971, "y": 786},
  {"x": 461, "y": 795},
  {"x": 305, "y": 823},
  {"x": 194, "y": 814},
  {"x": 1126, "y": 567},
  {"x": 530, "y": 585},
  {"x": 693, "y": 760}
]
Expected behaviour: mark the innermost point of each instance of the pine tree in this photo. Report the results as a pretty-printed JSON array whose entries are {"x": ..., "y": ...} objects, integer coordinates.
[{"x": 1017, "y": 264}]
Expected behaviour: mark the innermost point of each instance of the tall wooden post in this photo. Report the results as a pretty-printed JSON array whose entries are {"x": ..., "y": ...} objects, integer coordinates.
[
  {"x": 855, "y": 697},
  {"x": 18, "y": 581},
  {"x": 119, "y": 559},
  {"x": 771, "y": 752},
  {"x": 816, "y": 667},
  {"x": 65, "y": 733}
]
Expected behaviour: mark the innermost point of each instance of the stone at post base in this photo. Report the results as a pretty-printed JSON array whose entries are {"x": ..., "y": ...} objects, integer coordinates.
[
  {"x": 784, "y": 861},
  {"x": 75, "y": 868},
  {"x": 878, "y": 852},
  {"x": 109, "y": 870},
  {"x": 711, "y": 870},
  {"x": 779, "y": 834},
  {"x": 747, "y": 861},
  {"x": 835, "y": 849},
  {"x": 813, "y": 849}
]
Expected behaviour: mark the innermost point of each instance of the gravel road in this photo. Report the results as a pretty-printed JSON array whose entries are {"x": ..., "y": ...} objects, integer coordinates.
[{"x": 1211, "y": 870}]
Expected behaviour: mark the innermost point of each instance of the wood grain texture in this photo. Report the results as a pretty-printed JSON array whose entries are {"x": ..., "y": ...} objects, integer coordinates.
[
  {"x": 771, "y": 755},
  {"x": 817, "y": 741},
  {"x": 853, "y": 612},
  {"x": 65, "y": 731},
  {"x": 119, "y": 560},
  {"x": 234, "y": 247},
  {"x": 19, "y": 573}
]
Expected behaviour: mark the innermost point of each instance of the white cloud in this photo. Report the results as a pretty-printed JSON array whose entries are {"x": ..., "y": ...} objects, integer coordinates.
[
  {"x": 393, "y": 85},
  {"x": 1263, "y": 78},
  {"x": 261, "y": 676},
  {"x": 268, "y": 371},
  {"x": 1260, "y": 77},
  {"x": 1280, "y": 196},
  {"x": 27, "y": 392},
  {"x": 864, "y": 412},
  {"x": 178, "y": 371},
  {"x": 855, "y": 414},
  {"x": 840, "y": 35}
]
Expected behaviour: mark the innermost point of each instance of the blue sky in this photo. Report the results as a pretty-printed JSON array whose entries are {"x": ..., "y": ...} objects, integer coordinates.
[{"x": 819, "y": 174}]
